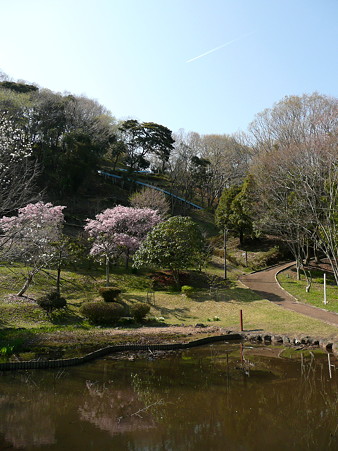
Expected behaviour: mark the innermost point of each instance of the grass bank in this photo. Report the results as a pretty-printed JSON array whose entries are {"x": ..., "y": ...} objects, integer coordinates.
[
  {"x": 172, "y": 316},
  {"x": 288, "y": 280}
]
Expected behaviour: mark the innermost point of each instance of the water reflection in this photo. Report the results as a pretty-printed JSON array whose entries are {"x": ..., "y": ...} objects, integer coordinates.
[
  {"x": 217, "y": 397},
  {"x": 113, "y": 410},
  {"x": 26, "y": 420}
]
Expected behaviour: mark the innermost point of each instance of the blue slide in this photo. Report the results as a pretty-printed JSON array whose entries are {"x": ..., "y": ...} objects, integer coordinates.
[{"x": 152, "y": 187}]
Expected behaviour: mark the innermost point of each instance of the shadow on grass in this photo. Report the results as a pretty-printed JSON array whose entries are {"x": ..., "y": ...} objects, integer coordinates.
[
  {"x": 231, "y": 294},
  {"x": 179, "y": 313},
  {"x": 269, "y": 296},
  {"x": 18, "y": 338},
  {"x": 65, "y": 317}
]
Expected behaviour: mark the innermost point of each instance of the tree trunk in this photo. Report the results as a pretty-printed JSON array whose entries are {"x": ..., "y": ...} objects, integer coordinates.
[
  {"x": 298, "y": 268},
  {"x": 58, "y": 279},
  {"x": 26, "y": 284},
  {"x": 307, "y": 253},
  {"x": 176, "y": 276},
  {"x": 225, "y": 237},
  {"x": 308, "y": 278},
  {"x": 107, "y": 271},
  {"x": 241, "y": 237},
  {"x": 315, "y": 252},
  {"x": 127, "y": 259}
]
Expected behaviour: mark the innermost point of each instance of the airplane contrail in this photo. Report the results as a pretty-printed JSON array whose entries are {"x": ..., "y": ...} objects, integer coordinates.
[{"x": 219, "y": 47}]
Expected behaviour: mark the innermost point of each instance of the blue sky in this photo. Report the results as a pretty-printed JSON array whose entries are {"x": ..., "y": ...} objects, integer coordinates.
[{"x": 133, "y": 55}]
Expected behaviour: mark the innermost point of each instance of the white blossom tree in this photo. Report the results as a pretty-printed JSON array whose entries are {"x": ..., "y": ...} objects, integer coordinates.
[
  {"x": 17, "y": 171},
  {"x": 30, "y": 237}
]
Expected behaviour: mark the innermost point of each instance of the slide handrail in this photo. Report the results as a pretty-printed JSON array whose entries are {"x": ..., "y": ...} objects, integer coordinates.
[{"x": 153, "y": 187}]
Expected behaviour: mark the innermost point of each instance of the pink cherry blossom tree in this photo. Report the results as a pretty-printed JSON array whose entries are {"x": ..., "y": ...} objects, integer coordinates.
[
  {"x": 30, "y": 237},
  {"x": 119, "y": 230}
]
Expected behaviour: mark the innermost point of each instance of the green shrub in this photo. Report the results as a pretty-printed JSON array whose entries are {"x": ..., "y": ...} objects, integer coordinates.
[
  {"x": 7, "y": 350},
  {"x": 52, "y": 301},
  {"x": 109, "y": 294},
  {"x": 102, "y": 313},
  {"x": 126, "y": 321},
  {"x": 139, "y": 311},
  {"x": 187, "y": 290}
]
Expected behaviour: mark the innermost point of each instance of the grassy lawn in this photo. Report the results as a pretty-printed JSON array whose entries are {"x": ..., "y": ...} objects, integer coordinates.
[
  {"x": 24, "y": 317},
  {"x": 315, "y": 297}
]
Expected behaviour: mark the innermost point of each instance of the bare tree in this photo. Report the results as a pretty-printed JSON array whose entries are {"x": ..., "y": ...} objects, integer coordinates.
[
  {"x": 294, "y": 120},
  {"x": 151, "y": 198},
  {"x": 297, "y": 196},
  {"x": 207, "y": 164}
]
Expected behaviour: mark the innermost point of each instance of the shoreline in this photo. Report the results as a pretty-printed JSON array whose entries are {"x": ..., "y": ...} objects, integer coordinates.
[{"x": 181, "y": 332}]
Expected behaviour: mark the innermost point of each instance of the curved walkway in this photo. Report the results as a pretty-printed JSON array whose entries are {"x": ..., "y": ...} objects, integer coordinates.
[{"x": 265, "y": 284}]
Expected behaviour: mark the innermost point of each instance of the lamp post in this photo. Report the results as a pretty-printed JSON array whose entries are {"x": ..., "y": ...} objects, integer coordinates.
[{"x": 225, "y": 238}]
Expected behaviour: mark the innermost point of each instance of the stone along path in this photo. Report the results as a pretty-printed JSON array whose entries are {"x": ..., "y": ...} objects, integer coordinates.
[{"x": 264, "y": 283}]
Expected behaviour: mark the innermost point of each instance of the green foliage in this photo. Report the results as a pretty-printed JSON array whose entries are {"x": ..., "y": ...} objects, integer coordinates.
[
  {"x": 214, "y": 318},
  {"x": 176, "y": 244},
  {"x": 233, "y": 211},
  {"x": 143, "y": 139},
  {"x": 139, "y": 311},
  {"x": 109, "y": 294},
  {"x": 102, "y": 313},
  {"x": 7, "y": 350},
  {"x": 52, "y": 301},
  {"x": 18, "y": 87},
  {"x": 187, "y": 290}
]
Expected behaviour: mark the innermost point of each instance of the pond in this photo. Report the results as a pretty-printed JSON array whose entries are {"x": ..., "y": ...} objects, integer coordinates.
[{"x": 216, "y": 397}]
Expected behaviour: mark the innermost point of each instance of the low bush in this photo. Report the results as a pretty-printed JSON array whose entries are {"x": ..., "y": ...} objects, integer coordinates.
[
  {"x": 109, "y": 294},
  {"x": 52, "y": 301},
  {"x": 187, "y": 290},
  {"x": 162, "y": 281},
  {"x": 139, "y": 311},
  {"x": 126, "y": 321},
  {"x": 102, "y": 313}
]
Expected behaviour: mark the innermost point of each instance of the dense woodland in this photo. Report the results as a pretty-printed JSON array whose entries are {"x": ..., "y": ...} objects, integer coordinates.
[{"x": 279, "y": 177}]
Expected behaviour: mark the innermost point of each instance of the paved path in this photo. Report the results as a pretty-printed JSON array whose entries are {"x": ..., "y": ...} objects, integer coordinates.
[{"x": 264, "y": 283}]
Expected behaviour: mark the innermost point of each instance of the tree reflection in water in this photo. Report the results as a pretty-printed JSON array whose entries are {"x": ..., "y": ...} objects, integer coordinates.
[
  {"x": 115, "y": 410},
  {"x": 215, "y": 397}
]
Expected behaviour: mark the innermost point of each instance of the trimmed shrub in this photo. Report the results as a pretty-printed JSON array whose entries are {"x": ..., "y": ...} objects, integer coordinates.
[
  {"x": 102, "y": 313},
  {"x": 187, "y": 290},
  {"x": 109, "y": 294},
  {"x": 52, "y": 301},
  {"x": 139, "y": 311}
]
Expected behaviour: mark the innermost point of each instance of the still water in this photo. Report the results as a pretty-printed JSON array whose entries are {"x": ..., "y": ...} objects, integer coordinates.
[{"x": 217, "y": 397}]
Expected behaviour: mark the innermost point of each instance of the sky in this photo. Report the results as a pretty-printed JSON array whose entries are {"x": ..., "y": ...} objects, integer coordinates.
[{"x": 207, "y": 66}]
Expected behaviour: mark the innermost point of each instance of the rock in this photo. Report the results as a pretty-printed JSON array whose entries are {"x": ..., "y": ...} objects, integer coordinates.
[
  {"x": 325, "y": 344},
  {"x": 335, "y": 348},
  {"x": 200, "y": 325},
  {"x": 285, "y": 339},
  {"x": 276, "y": 339}
]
